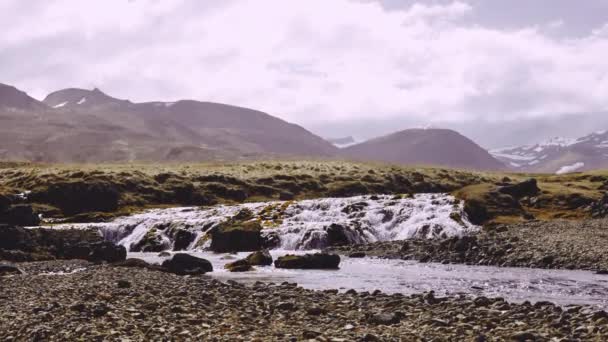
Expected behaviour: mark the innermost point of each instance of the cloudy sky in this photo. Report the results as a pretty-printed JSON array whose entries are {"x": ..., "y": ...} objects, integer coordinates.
[{"x": 491, "y": 69}]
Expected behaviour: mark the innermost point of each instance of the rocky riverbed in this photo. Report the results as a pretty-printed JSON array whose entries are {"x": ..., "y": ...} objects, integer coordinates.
[
  {"x": 552, "y": 244},
  {"x": 104, "y": 302}
]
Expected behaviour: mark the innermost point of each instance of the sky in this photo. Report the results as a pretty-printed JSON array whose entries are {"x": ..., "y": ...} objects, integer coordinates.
[{"x": 501, "y": 72}]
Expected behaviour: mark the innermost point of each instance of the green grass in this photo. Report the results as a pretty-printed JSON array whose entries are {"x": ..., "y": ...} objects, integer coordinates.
[{"x": 59, "y": 190}]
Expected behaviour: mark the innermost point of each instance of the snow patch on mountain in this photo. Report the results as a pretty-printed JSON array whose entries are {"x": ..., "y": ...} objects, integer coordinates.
[{"x": 570, "y": 168}]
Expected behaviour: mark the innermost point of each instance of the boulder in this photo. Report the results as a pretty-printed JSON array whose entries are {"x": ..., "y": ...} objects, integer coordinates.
[
  {"x": 9, "y": 270},
  {"x": 476, "y": 211},
  {"x": 259, "y": 258},
  {"x": 236, "y": 237},
  {"x": 238, "y": 266},
  {"x": 182, "y": 239},
  {"x": 308, "y": 261},
  {"x": 337, "y": 235},
  {"x": 107, "y": 251},
  {"x": 20, "y": 215},
  {"x": 186, "y": 264},
  {"x": 522, "y": 189}
]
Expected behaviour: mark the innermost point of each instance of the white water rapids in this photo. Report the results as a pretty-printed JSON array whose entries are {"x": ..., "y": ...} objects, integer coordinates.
[{"x": 300, "y": 225}]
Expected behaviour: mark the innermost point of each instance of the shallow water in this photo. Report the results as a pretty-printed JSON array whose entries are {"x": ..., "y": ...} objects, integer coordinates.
[{"x": 562, "y": 287}]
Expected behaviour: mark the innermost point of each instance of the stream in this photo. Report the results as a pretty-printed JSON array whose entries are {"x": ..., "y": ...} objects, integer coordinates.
[{"x": 564, "y": 287}]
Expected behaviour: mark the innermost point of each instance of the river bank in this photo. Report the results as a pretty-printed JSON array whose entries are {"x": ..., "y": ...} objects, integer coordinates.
[
  {"x": 105, "y": 302},
  {"x": 557, "y": 244}
]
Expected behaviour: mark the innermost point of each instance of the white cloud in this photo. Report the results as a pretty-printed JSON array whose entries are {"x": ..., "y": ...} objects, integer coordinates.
[{"x": 305, "y": 61}]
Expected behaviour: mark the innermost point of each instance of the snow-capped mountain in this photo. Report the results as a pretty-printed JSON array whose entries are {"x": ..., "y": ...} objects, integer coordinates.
[{"x": 558, "y": 155}]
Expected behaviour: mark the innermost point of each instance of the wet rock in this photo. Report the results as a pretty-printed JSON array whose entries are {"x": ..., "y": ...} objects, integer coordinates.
[
  {"x": 185, "y": 264},
  {"x": 152, "y": 241},
  {"x": 526, "y": 188},
  {"x": 182, "y": 239},
  {"x": 337, "y": 235},
  {"x": 238, "y": 266},
  {"x": 9, "y": 270},
  {"x": 236, "y": 237},
  {"x": 259, "y": 258},
  {"x": 308, "y": 261}
]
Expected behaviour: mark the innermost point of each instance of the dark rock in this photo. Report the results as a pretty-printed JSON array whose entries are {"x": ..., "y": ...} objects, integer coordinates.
[
  {"x": 238, "y": 266},
  {"x": 259, "y": 258},
  {"x": 316, "y": 311},
  {"x": 526, "y": 188},
  {"x": 337, "y": 235},
  {"x": 286, "y": 196},
  {"x": 9, "y": 270},
  {"x": 308, "y": 261},
  {"x": 123, "y": 284},
  {"x": 523, "y": 336},
  {"x": 286, "y": 306},
  {"x": 182, "y": 239},
  {"x": 20, "y": 215},
  {"x": 79, "y": 196},
  {"x": 132, "y": 262},
  {"x": 370, "y": 338},
  {"x": 186, "y": 264},
  {"x": 384, "y": 319},
  {"x": 310, "y": 334},
  {"x": 151, "y": 242},
  {"x": 599, "y": 208},
  {"x": 357, "y": 255},
  {"x": 107, "y": 251},
  {"x": 164, "y": 254},
  {"x": 476, "y": 211},
  {"x": 236, "y": 237}
]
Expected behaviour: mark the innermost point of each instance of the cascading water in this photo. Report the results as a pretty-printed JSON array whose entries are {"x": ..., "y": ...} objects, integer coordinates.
[{"x": 307, "y": 224}]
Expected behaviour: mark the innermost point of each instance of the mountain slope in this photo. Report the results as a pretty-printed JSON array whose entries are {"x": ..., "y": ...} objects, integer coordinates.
[
  {"x": 558, "y": 155},
  {"x": 440, "y": 147},
  {"x": 78, "y": 125},
  {"x": 15, "y": 99}
]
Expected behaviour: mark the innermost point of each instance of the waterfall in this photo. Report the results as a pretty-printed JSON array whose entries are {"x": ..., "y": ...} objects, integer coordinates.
[{"x": 306, "y": 224}]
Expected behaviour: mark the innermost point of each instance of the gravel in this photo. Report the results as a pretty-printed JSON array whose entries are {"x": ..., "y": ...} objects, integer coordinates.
[{"x": 103, "y": 302}]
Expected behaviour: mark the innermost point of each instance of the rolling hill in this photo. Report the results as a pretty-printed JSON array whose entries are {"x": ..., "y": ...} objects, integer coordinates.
[{"x": 440, "y": 147}]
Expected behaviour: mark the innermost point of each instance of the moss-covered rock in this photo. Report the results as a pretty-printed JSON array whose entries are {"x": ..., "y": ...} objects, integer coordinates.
[
  {"x": 260, "y": 258},
  {"x": 241, "y": 265},
  {"x": 236, "y": 237},
  {"x": 308, "y": 261}
]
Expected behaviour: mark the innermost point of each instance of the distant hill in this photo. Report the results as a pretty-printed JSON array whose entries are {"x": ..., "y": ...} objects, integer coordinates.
[
  {"x": 342, "y": 142},
  {"x": 441, "y": 147},
  {"x": 558, "y": 155},
  {"x": 78, "y": 125}
]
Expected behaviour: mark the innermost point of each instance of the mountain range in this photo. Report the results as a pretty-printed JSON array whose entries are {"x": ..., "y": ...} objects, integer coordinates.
[
  {"x": 80, "y": 125},
  {"x": 558, "y": 155}
]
